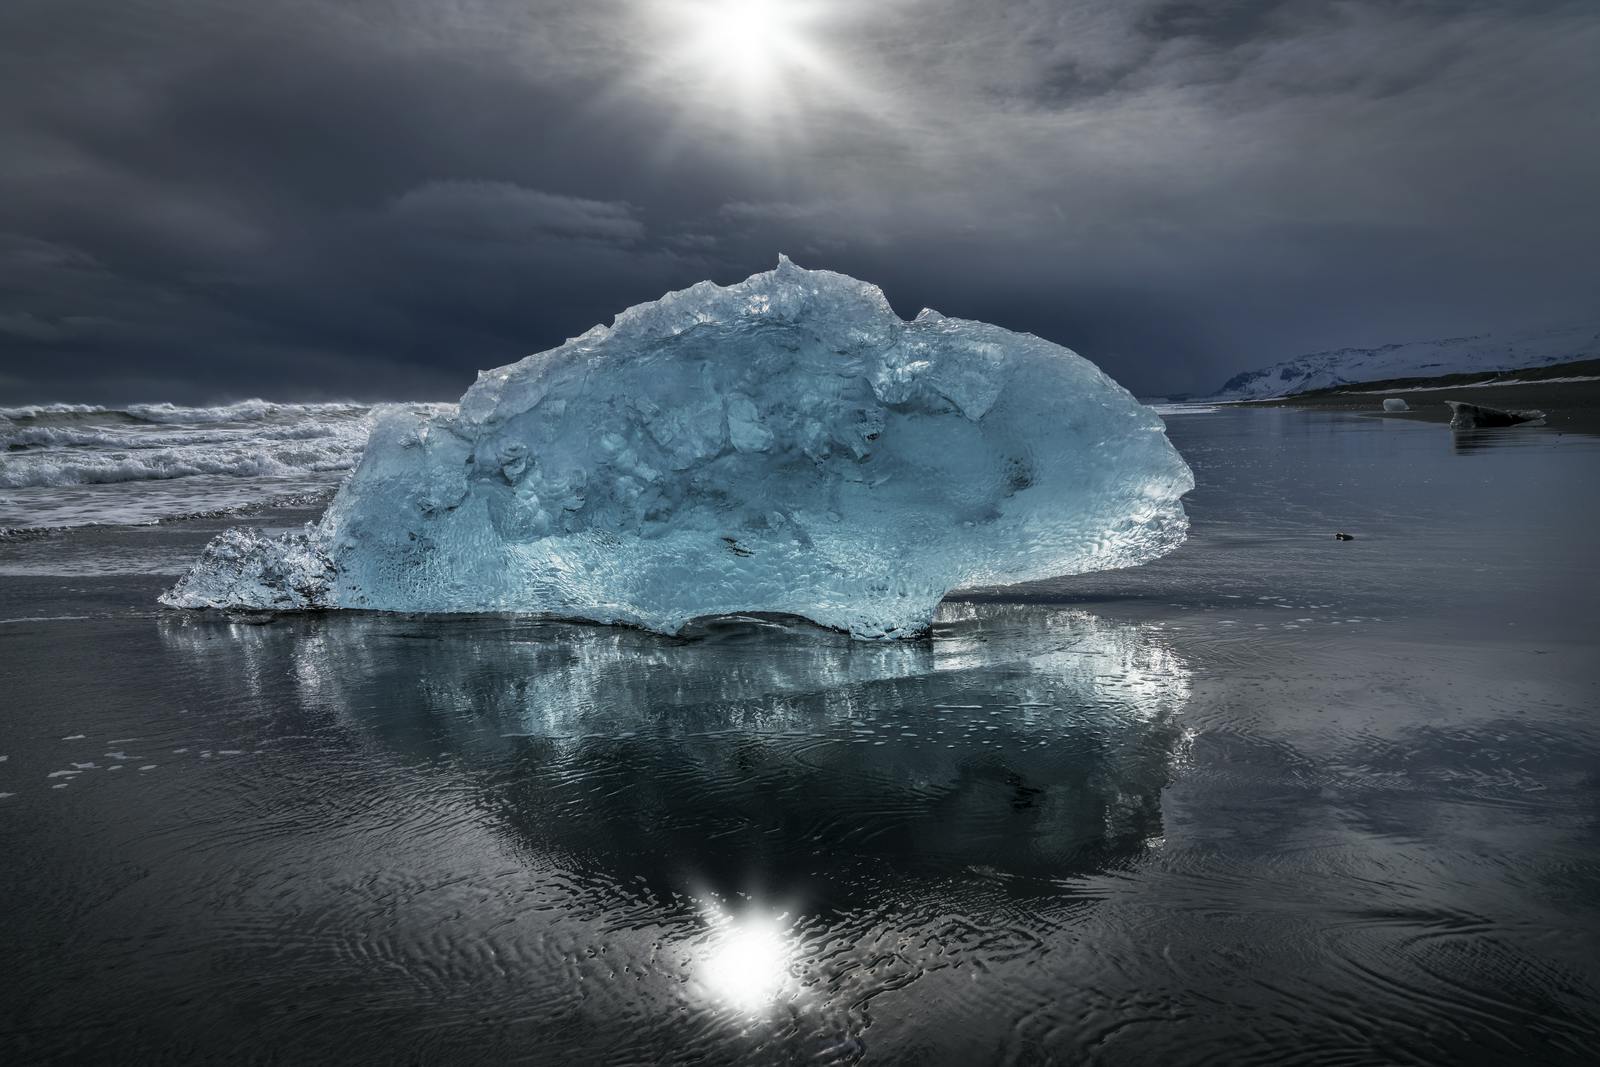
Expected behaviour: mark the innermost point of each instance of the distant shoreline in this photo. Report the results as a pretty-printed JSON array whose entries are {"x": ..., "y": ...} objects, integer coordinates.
[{"x": 1568, "y": 394}]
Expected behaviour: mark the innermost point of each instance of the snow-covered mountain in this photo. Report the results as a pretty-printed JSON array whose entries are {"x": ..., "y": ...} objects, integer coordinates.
[{"x": 1416, "y": 359}]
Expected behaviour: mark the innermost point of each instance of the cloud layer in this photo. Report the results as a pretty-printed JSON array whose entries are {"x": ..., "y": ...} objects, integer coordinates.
[{"x": 202, "y": 199}]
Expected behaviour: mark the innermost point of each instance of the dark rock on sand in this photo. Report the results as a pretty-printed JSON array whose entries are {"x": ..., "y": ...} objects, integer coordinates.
[{"x": 1464, "y": 416}]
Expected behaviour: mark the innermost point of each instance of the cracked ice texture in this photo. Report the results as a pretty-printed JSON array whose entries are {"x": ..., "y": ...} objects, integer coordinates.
[{"x": 787, "y": 444}]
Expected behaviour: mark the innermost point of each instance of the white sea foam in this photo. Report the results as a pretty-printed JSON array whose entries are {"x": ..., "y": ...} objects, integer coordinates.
[
  {"x": 243, "y": 411},
  {"x": 244, "y": 461},
  {"x": 35, "y": 411},
  {"x": 16, "y": 438},
  {"x": 72, "y": 464}
]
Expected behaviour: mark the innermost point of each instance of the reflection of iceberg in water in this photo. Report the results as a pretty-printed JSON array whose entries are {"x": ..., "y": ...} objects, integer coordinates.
[
  {"x": 921, "y": 804},
  {"x": 1473, "y": 440},
  {"x": 1029, "y": 742}
]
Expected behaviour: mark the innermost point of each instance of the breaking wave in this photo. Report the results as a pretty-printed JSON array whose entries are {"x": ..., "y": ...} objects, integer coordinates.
[
  {"x": 242, "y": 411},
  {"x": 42, "y": 411},
  {"x": 52, "y": 454},
  {"x": 246, "y": 461},
  {"x": 82, "y": 444}
]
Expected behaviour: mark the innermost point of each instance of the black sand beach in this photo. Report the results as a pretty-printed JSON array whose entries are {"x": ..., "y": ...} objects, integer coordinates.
[{"x": 1273, "y": 799}]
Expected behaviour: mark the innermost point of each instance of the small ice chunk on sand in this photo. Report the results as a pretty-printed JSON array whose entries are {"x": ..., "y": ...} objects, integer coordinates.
[{"x": 1394, "y": 403}]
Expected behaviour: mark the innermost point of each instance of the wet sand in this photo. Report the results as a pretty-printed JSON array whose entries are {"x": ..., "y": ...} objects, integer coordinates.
[{"x": 1272, "y": 799}]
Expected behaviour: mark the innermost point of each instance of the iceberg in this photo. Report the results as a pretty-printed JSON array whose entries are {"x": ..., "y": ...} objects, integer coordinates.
[
  {"x": 1394, "y": 403},
  {"x": 784, "y": 445}
]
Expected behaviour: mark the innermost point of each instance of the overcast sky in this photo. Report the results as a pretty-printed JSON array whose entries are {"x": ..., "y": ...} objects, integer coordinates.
[{"x": 212, "y": 199}]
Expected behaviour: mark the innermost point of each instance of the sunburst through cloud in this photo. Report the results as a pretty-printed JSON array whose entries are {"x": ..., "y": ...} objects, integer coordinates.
[{"x": 762, "y": 71}]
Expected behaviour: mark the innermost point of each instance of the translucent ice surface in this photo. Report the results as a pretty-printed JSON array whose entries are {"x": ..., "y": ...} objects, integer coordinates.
[{"x": 787, "y": 444}]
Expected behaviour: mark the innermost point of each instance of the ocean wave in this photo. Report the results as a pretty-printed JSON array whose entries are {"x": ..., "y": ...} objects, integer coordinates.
[
  {"x": 243, "y": 411},
  {"x": 40, "y": 411},
  {"x": 64, "y": 465},
  {"x": 247, "y": 460},
  {"x": 125, "y": 437}
]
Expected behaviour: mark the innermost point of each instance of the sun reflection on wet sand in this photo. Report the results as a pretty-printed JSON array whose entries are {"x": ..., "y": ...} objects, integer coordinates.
[{"x": 748, "y": 961}]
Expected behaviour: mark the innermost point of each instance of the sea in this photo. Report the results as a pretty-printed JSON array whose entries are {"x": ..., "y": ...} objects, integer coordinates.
[{"x": 1277, "y": 798}]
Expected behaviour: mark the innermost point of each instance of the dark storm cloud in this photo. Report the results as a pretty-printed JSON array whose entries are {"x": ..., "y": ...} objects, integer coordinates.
[{"x": 209, "y": 198}]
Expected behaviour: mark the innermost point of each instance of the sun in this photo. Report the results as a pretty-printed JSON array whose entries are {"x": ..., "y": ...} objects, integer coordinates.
[
  {"x": 762, "y": 71},
  {"x": 755, "y": 43},
  {"x": 746, "y": 31}
]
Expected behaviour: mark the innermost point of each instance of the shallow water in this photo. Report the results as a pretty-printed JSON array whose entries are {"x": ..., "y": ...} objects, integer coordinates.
[{"x": 1276, "y": 798}]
